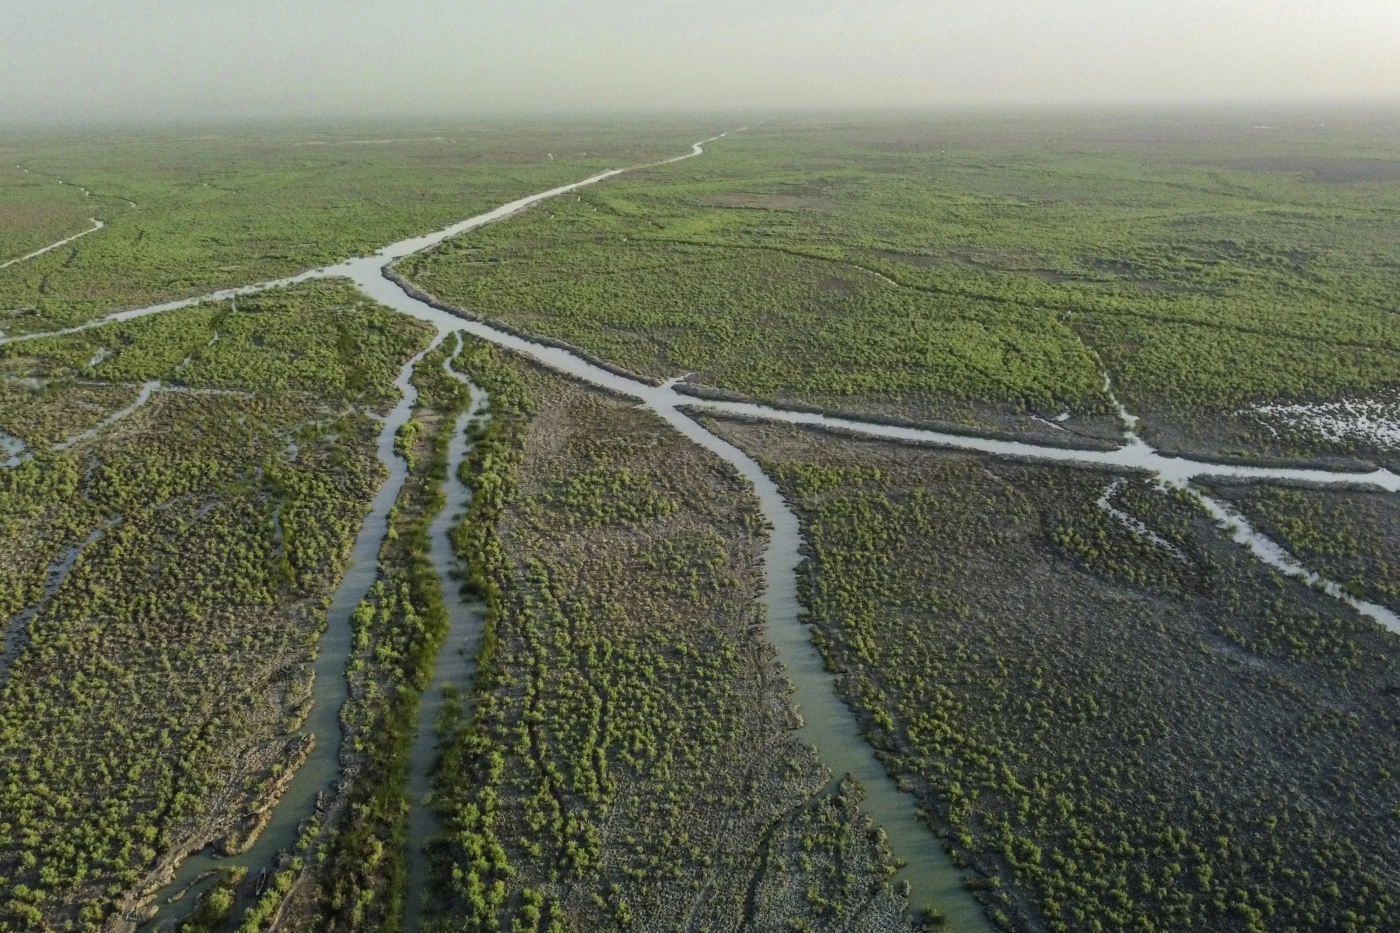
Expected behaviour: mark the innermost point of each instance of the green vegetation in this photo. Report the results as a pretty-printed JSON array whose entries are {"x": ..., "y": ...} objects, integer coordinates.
[
  {"x": 398, "y": 630},
  {"x": 45, "y": 413},
  {"x": 973, "y": 273},
  {"x": 214, "y": 910},
  {"x": 323, "y": 338},
  {"x": 35, "y": 211},
  {"x": 1114, "y": 733},
  {"x": 1112, "y": 730},
  {"x": 246, "y": 206},
  {"x": 278, "y": 887},
  {"x": 146, "y": 710},
  {"x": 627, "y": 759},
  {"x": 1346, "y": 536}
]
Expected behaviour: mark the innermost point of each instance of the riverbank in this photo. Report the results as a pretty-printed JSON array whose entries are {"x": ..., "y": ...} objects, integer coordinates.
[
  {"x": 662, "y": 778},
  {"x": 1096, "y": 718},
  {"x": 836, "y": 733}
]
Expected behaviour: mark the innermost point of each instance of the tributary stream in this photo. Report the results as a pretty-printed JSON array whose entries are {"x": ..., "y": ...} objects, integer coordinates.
[
  {"x": 320, "y": 772},
  {"x": 456, "y": 660},
  {"x": 828, "y": 723}
]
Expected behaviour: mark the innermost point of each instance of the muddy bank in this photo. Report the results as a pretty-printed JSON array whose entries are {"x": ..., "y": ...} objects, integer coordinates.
[{"x": 1047, "y": 679}]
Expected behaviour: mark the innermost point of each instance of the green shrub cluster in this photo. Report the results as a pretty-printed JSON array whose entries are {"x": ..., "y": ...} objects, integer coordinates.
[
  {"x": 1114, "y": 733},
  {"x": 173, "y": 573},
  {"x": 913, "y": 270},
  {"x": 619, "y": 761}
]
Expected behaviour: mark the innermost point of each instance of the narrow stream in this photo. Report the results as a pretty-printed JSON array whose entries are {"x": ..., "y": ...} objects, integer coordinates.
[
  {"x": 1132, "y": 522},
  {"x": 828, "y": 723},
  {"x": 142, "y": 397},
  {"x": 321, "y": 770},
  {"x": 456, "y": 660},
  {"x": 17, "y": 630},
  {"x": 96, "y": 225},
  {"x": 1276, "y": 556}
]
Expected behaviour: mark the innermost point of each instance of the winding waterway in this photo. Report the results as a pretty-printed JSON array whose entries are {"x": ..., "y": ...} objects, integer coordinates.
[
  {"x": 1276, "y": 556},
  {"x": 828, "y": 723},
  {"x": 456, "y": 660},
  {"x": 96, "y": 225},
  {"x": 142, "y": 398},
  {"x": 320, "y": 771}
]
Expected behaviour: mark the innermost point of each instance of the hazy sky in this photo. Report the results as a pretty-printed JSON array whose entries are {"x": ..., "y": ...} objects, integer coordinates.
[{"x": 65, "y": 59}]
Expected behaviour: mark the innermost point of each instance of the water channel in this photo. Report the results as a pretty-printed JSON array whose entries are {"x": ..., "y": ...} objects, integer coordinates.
[
  {"x": 96, "y": 225},
  {"x": 456, "y": 660},
  {"x": 828, "y": 723},
  {"x": 142, "y": 397},
  {"x": 320, "y": 771}
]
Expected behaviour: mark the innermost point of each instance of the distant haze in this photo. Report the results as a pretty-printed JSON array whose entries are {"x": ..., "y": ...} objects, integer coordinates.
[{"x": 216, "y": 59}]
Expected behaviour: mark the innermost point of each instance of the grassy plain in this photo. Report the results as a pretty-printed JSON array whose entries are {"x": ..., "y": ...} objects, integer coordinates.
[
  {"x": 628, "y": 758},
  {"x": 230, "y": 207},
  {"x": 1113, "y": 732},
  {"x": 977, "y": 272},
  {"x": 148, "y": 701}
]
